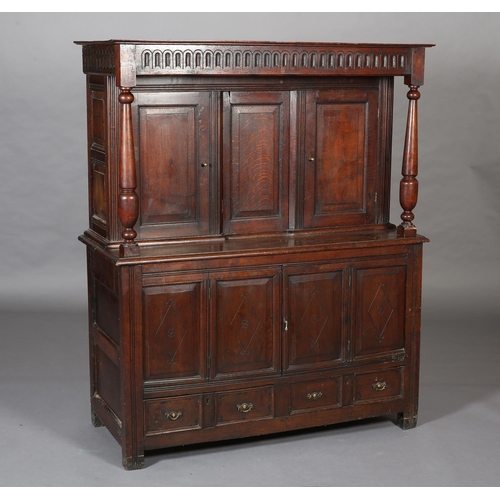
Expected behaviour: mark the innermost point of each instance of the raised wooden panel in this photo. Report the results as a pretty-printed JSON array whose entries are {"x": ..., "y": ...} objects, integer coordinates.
[
  {"x": 340, "y": 157},
  {"x": 99, "y": 196},
  {"x": 245, "y": 323},
  {"x": 314, "y": 331},
  {"x": 380, "y": 303},
  {"x": 97, "y": 143},
  {"x": 97, "y": 119},
  {"x": 108, "y": 382},
  {"x": 175, "y": 331},
  {"x": 256, "y": 130},
  {"x": 174, "y": 164},
  {"x": 106, "y": 315}
]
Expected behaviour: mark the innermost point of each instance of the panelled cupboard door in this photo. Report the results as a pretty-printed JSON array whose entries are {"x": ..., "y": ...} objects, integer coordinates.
[
  {"x": 245, "y": 335},
  {"x": 174, "y": 163},
  {"x": 256, "y": 142},
  {"x": 315, "y": 315},
  {"x": 174, "y": 330},
  {"x": 380, "y": 304},
  {"x": 340, "y": 157}
]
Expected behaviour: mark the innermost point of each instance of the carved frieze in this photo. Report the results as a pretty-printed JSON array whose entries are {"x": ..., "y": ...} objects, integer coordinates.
[{"x": 183, "y": 60}]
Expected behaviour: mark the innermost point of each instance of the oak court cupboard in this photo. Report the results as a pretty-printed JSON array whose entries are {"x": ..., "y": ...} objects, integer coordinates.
[{"x": 243, "y": 275}]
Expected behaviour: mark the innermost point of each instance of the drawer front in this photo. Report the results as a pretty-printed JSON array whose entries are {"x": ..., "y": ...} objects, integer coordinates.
[
  {"x": 379, "y": 385},
  {"x": 251, "y": 404},
  {"x": 315, "y": 394},
  {"x": 170, "y": 414}
]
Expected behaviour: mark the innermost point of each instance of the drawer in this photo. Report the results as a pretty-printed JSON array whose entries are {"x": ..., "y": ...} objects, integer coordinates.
[
  {"x": 250, "y": 404},
  {"x": 378, "y": 385},
  {"x": 170, "y": 414},
  {"x": 315, "y": 394}
]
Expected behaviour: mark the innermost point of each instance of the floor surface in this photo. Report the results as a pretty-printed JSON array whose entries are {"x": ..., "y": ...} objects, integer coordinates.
[{"x": 47, "y": 439}]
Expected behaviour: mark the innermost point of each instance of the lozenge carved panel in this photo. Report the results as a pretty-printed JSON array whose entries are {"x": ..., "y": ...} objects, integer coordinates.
[{"x": 245, "y": 322}]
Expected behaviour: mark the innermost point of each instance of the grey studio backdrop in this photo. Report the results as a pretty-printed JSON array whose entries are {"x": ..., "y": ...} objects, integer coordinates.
[{"x": 45, "y": 428}]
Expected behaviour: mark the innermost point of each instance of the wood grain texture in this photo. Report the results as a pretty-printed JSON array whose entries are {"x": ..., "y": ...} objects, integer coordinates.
[
  {"x": 340, "y": 159},
  {"x": 314, "y": 303},
  {"x": 245, "y": 323},
  {"x": 256, "y": 163},
  {"x": 174, "y": 163},
  {"x": 174, "y": 331}
]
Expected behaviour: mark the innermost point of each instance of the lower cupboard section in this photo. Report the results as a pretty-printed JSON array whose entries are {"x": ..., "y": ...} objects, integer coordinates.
[{"x": 280, "y": 406}]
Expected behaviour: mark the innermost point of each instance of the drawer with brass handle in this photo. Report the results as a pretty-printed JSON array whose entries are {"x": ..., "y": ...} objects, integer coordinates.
[
  {"x": 249, "y": 404},
  {"x": 168, "y": 414},
  {"x": 386, "y": 384},
  {"x": 314, "y": 394}
]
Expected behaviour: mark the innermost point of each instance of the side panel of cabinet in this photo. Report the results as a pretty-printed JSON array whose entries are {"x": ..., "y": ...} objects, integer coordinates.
[
  {"x": 174, "y": 315},
  {"x": 101, "y": 93},
  {"x": 315, "y": 311},
  {"x": 380, "y": 296},
  {"x": 245, "y": 338},
  {"x": 340, "y": 157},
  {"x": 174, "y": 163},
  {"x": 256, "y": 156}
]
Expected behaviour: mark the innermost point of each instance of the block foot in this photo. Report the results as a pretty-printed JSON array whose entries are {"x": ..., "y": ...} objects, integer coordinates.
[
  {"x": 96, "y": 421},
  {"x": 133, "y": 463},
  {"x": 406, "y": 422}
]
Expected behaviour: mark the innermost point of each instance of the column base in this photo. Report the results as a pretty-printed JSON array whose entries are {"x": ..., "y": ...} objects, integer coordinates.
[
  {"x": 407, "y": 231},
  {"x": 129, "y": 250}
]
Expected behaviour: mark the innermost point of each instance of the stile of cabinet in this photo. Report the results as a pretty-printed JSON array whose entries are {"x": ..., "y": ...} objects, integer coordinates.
[{"x": 244, "y": 277}]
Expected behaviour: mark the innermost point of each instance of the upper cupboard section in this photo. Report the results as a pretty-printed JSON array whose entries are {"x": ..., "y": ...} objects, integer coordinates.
[{"x": 261, "y": 160}]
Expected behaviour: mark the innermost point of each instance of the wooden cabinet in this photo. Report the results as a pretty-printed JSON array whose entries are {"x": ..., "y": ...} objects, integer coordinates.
[{"x": 244, "y": 277}]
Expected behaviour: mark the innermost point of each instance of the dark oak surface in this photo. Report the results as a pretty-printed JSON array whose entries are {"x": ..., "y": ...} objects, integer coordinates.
[{"x": 244, "y": 277}]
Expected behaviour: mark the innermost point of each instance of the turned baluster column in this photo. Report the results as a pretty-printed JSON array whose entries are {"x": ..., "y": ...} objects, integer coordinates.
[
  {"x": 408, "y": 190},
  {"x": 128, "y": 201}
]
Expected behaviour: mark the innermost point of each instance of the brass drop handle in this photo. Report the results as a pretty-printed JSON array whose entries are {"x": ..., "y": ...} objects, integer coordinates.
[
  {"x": 314, "y": 395},
  {"x": 204, "y": 164},
  {"x": 173, "y": 415},
  {"x": 245, "y": 407},
  {"x": 379, "y": 386}
]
